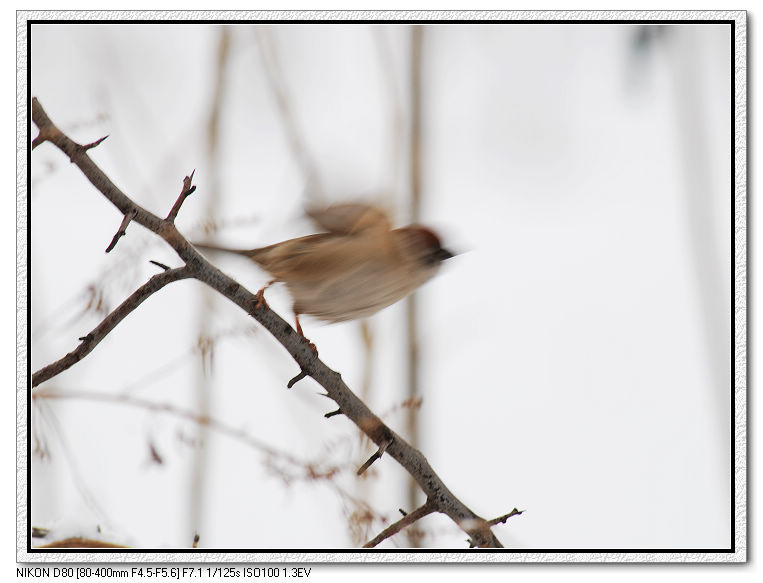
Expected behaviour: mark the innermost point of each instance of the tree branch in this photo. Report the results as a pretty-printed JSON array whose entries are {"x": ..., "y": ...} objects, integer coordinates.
[
  {"x": 353, "y": 408},
  {"x": 110, "y": 322}
]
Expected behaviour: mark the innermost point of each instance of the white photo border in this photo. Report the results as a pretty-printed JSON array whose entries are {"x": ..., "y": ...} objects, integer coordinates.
[{"x": 739, "y": 551}]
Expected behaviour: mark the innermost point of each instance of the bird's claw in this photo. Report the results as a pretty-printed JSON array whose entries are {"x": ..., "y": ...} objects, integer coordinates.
[
  {"x": 301, "y": 333},
  {"x": 261, "y": 299}
]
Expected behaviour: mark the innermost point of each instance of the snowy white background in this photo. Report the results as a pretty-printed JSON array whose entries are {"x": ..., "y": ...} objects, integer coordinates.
[{"x": 576, "y": 354}]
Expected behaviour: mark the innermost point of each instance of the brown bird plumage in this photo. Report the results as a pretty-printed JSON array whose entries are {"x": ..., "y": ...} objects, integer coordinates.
[{"x": 358, "y": 267}]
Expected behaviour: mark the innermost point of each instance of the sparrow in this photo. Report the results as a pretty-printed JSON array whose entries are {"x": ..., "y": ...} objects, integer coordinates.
[{"x": 359, "y": 266}]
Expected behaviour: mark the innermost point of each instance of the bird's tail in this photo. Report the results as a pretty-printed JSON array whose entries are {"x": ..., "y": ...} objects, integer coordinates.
[{"x": 253, "y": 254}]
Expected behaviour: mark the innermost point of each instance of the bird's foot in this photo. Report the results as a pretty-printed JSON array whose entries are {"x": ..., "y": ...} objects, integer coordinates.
[
  {"x": 261, "y": 299},
  {"x": 301, "y": 333}
]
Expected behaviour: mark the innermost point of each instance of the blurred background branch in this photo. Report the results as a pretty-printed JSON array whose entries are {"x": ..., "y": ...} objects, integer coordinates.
[
  {"x": 412, "y": 315},
  {"x": 204, "y": 369}
]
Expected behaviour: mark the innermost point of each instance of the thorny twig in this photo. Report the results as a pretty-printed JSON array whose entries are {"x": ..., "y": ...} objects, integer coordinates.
[{"x": 405, "y": 521}]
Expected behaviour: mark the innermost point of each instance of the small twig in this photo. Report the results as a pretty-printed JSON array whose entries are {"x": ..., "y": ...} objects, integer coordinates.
[
  {"x": 382, "y": 448},
  {"x": 39, "y": 139},
  {"x": 302, "y": 374},
  {"x": 188, "y": 189},
  {"x": 405, "y": 521},
  {"x": 505, "y": 517},
  {"x": 333, "y": 413},
  {"x": 122, "y": 230},
  {"x": 92, "y": 339}
]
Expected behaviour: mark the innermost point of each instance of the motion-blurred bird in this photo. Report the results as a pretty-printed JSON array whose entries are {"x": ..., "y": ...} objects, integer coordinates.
[{"x": 358, "y": 267}]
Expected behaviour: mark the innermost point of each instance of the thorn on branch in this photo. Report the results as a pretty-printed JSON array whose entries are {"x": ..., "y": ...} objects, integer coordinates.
[
  {"x": 155, "y": 456},
  {"x": 302, "y": 374},
  {"x": 92, "y": 145},
  {"x": 122, "y": 229},
  {"x": 162, "y": 265},
  {"x": 382, "y": 448},
  {"x": 188, "y": 189},
  {"x": 333, "y": 413}
]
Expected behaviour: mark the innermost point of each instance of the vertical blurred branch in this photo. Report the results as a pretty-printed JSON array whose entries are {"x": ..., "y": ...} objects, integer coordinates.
[
  {"x": 389, "y": 196},
  {"x": 397, "y": 129},
  {"x": 683, "y": 53},
  {"x": 417, "y": 34},
  {"x": 305, "y": 162},
  {"x": 204, "y": 370},
  {"x": 705, "y": 236},
  {"x": 314, "y": 193}
]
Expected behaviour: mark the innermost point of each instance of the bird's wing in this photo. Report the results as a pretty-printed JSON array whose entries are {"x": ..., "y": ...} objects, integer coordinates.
[
  {"x": 316, "y": 258},
  {"x": 350, "y": 218}
]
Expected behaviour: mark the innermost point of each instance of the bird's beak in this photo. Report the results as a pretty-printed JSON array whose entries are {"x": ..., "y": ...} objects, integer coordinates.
[{"x": 443, "y": 254}]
